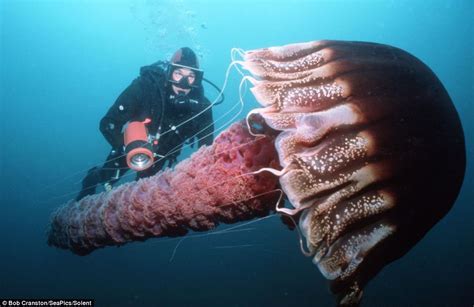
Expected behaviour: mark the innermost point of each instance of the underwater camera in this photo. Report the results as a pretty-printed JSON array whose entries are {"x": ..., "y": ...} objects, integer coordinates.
[{"x": 138, "y": 148}]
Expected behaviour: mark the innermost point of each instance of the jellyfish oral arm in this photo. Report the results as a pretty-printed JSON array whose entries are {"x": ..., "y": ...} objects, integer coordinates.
[{"x": 217, "y": 184}]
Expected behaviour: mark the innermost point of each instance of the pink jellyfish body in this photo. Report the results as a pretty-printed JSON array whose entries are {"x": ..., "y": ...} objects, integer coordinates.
[{"x": 362, "y": 138}]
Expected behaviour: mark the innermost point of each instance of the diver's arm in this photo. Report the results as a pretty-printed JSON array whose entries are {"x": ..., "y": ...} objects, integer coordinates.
[
  {"x": 206, "y": 136},
  {"x": 123, "y": 110}
]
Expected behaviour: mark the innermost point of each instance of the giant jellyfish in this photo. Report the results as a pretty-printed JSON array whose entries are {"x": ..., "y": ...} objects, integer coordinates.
[{"x": 361, "y": 139}]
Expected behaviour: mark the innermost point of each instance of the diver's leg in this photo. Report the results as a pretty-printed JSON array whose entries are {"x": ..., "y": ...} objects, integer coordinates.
[
  {"x": 113, "y": 174},
  {"x": 113, "y": 168},
  {"x": 89, "y": 183}
]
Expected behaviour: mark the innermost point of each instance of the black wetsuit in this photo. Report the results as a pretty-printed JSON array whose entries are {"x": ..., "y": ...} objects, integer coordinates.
[{"x": 150, "y": 96}]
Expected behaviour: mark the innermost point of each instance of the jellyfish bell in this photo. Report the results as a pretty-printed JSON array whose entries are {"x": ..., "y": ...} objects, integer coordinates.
[{"x": 372, "y": 147}]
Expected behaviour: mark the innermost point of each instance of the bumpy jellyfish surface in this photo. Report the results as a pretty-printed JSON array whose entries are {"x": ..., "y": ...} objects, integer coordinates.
[
  {"x": 217, "y": 184},
  {"x": 371, "y": 147}
]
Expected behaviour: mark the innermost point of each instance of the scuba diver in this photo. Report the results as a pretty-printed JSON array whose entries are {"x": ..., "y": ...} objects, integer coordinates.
[{"x": 164, "y": 108}]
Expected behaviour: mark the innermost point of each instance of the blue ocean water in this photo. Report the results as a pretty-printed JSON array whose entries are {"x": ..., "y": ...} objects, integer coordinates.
[{"x": 63, "y": 63}]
